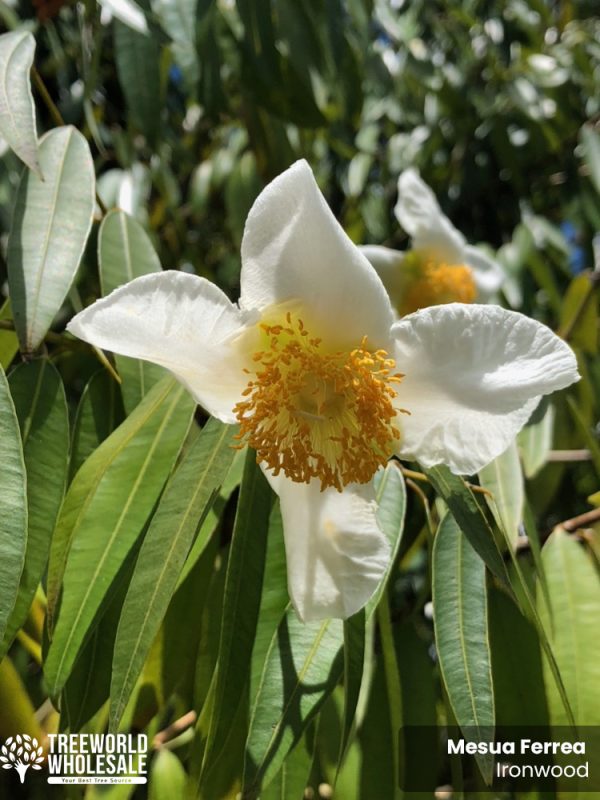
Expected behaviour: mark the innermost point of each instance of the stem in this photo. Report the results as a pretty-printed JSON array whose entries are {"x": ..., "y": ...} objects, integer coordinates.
[
  {"x": 581, "y": 521},
  {"x": 56, "y": 116}
]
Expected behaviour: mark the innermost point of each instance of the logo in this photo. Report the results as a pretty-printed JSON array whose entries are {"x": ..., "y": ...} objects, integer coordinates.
[{"x": 21, "y": 752}]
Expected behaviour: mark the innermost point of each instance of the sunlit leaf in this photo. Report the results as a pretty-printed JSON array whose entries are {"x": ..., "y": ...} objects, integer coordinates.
[
  {"x": 504, "y": 479},
  {"x": 182, "y": 508},
  {"x": 461, "y": 634},
  {"x": 51, "y": 224},
  {"x": 41, "y": 407},
  {"x": 17, "y": 110},
  {"x": 103, "y": 514},
  {"x": 13, "y": 504}
]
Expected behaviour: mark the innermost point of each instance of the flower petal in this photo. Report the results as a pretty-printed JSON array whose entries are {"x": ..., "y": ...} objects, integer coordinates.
[
  {"x": 387, "y": 263},
  {"x": 474, "y": 374},
  {"x": 419, "y": 213},
  {"x": 336, "y": 553},
  {"x": 488, "y": 274},
  {"x": 294, "y": 249},
  {"x": 177, "y": 320}
]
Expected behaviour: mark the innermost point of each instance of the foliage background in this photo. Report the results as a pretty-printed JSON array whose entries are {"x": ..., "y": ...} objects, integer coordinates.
[{"x": 497, "y": 104}]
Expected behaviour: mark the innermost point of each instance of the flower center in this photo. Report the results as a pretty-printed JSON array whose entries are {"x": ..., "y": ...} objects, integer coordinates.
[
  {"x": 436, "y": 284},
  {"x": 317, "y": 414}
]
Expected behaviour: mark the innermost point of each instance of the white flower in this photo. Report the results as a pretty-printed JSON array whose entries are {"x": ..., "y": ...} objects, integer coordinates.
[
  {"x": 325, "y": 386},
  {"x": 440, "y": 267}
]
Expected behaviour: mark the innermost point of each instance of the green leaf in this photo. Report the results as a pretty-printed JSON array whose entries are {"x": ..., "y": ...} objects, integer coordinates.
[
  {"x": 392, "y": 682},
  {"x": 183, "y": 506},
  {"x": 167, "y": 776},
  {"x": 99, "y": 412},
  {"x": 461, "y": 634},
  {"x": 292, "y": 779},
  {"x": 125, "y": 252},
  {"x": 535, "y": 442},
  {"x": 13, "y": 504},
  {"x": 41, "y": 408},
  {"x": 516, "y": 664},
  {"x": 572, "y": 627},
  {"x": 137, "y": 57},
  {"x": 302, "y": 667},
  {"x": 17, "y": 115},
  {"x": 579, "y": 315},
  {"x": 590, "y": 139},
  {"x": 504, "y": 479},
  {"x": 243, "y": 589},
  {"x": 51, "y": 223},
  {"x": 104, "y": 512},
  {"x": 9, "y": 344},
  {"x": 178, "y": 20},
  {"x": 470, "y": 516}
]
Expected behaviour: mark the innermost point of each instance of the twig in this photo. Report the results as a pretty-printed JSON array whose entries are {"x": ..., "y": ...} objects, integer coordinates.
[
  {"x": 569, "y": 455},
  {"x": 56, "y": 116},
  {"x": 581, "y": 521},
  {"x": 174, "y": 729},
  {"x": 420, "y": 476}
]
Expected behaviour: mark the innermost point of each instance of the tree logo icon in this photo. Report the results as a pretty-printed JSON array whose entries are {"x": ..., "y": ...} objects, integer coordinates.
[{"x": 21, "y": 752}]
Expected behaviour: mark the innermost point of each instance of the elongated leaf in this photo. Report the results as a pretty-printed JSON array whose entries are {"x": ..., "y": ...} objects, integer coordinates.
[
  {"x": 292, "y": 779},
  {"x": 51, "y": 224},
  {"x": 17, "y": 110},
  {"x": 392, "y": 682},
  {"x": 125, "y": 252},
  {"x": 9, "y": 344},
  {"x": 167, "y": 777},
  {"x": 572, "y": 626},
  {"x": 302, "y": 667},
  {"x": 590, "y": 140},
  {"x": 41, "y": 407},
  {"x": 516, "y": 652},
  {"x": 461, "y": 634},
  {"x": 13, "y": 504},
  {"x": 104, "y": 512},
  {"x": 183, "y": 506},
  {"x": 243, "y": 588},
  {"x": 470, "y": 517},
  {"x": 99, "y": 412},
  {"x": 504, "y": 479},
  {"x": 178, "y": 19},
  {"x": 128, "y": 12},
  {"x": 535, "y": 442},
  {"x": 137, "y": 58}
]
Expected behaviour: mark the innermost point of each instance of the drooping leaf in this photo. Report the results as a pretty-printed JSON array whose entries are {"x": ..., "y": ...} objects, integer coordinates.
[
  {"x": 167, "y": 776},
  {"x": 292, "y": 779},
  {"x": 125, "y": 252},
  {"x": 17, "y": 109},
  {"x": 183, "y": 506},
  {"x": 590, "y": 139},
  {"x": 579, "y": 315},
  {"x": 13, "y": 504},
  {"x": 51, "y": 224},
  {"x": 41, "y": 408},
  {"x": 535, "y": 442},
  {"x": 103, "y": 514},
  {"x": 137, "y": 58},
  {"x": 243, "y": 589},
  {"x": 461, "y": 634},
  {"x": 301, "y": 669},
  {"x": 470, "y": 517},
  {"x": 572, "y": 626},
  {"x": 128, "y": 12},
  {"x": 99, "y": 412},
  {"x": 504, "y": 479},
  {"x": 178, "y": 19}
]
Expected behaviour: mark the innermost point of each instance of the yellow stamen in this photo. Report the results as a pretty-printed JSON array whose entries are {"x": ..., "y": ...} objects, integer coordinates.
[
  {"x": 437, "y": 284},
  {"x": 310, "y": 413}
]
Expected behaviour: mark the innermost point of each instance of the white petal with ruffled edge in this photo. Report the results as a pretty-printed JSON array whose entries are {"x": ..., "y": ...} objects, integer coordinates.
[
  {"x": 294, "y": 249},
  {"x": 177, "y": 320},
  {"x": 336, "y": 553},
  {"x": 419, "y": 213},
  {"x": 474, "y": 374}
]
